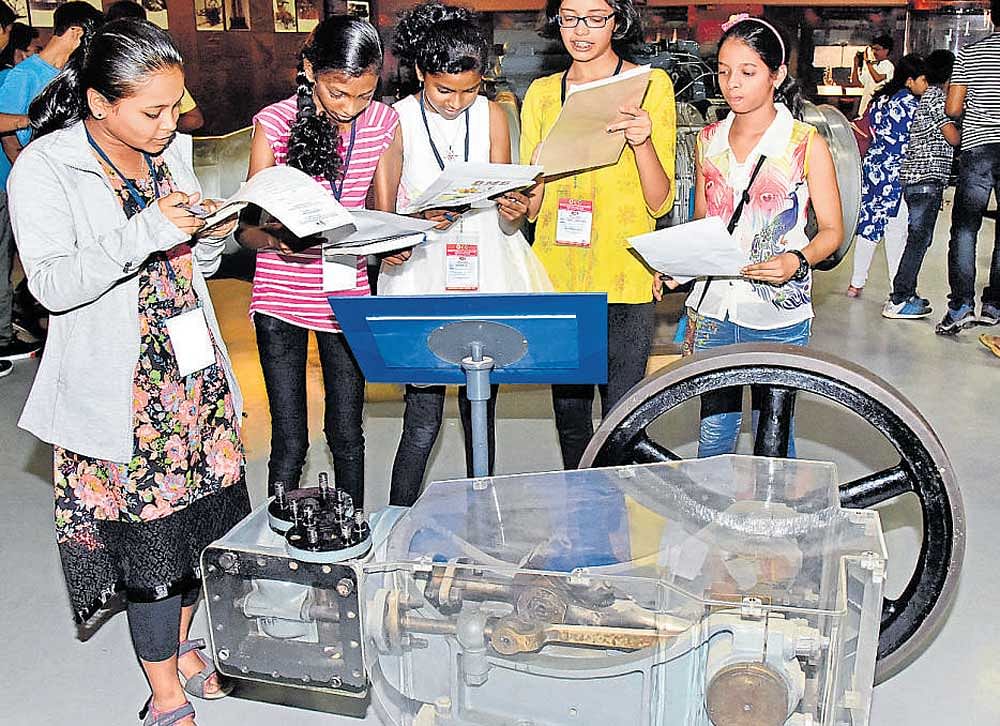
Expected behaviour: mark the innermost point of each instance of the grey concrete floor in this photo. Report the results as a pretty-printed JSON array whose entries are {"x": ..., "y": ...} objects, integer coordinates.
[{"x": 50, "y": 677}]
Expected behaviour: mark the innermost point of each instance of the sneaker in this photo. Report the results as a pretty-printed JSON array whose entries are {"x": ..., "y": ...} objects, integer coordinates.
[
  {"x": 907, "y": 310},
  {"x": 956, "y": 320},
  {"x": 6, "y": 368},
  {"x": 19, "y": 349},
  {"x": 854, "y": 291},
  {"x": 989, "y": 314}
]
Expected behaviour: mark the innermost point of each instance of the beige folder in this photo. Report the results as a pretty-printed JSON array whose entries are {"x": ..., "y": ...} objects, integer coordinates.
[{"x": 580, "y": 139}]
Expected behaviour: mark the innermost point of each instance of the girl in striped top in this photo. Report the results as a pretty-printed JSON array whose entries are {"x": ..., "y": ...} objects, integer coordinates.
[{"x": 333, "y": 130}]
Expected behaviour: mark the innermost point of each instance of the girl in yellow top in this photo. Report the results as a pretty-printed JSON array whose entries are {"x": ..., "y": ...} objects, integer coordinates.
[{"x": 617, "y": 202}]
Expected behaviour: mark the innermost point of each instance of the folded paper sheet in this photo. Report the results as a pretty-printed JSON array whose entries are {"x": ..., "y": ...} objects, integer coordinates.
[{"x": 702, "y": 248}]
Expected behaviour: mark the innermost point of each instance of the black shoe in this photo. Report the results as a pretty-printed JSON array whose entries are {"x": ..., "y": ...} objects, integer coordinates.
[
  {"x": 6, "y": 368},
  {"x": 18, "y": 349}
]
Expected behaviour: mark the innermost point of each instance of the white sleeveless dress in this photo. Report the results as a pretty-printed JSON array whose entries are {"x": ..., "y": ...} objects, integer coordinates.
[{"x": 506, "y": 262}]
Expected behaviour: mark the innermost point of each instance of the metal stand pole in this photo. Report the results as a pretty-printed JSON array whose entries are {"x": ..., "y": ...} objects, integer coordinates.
[{"x": 477, "y": 369}]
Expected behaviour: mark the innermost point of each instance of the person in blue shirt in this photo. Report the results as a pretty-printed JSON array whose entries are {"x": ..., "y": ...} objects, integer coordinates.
[
  {"x": 72, "y": 21},
  {"x": 23, "y": 43}
]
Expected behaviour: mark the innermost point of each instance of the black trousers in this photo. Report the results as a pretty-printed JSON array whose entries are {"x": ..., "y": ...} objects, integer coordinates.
[
  {"x": 421, "y": 424},
  {"x": 283, "y": 348},
  {"x": 630, "y": 336}
]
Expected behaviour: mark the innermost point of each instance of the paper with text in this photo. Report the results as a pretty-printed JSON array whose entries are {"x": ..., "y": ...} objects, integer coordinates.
[
  {"x": 292, "y": 197},
  {"x": 465, "y": 184}
]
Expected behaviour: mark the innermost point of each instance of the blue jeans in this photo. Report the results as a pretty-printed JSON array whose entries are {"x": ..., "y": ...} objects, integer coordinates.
[
  {"x": 722, "y": 410},
  {"x": 978, "y": 177},
  {"x": 924, "y": 203}
]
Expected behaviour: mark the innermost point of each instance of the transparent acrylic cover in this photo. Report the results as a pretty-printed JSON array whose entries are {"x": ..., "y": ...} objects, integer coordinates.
[
  {"x": 692, "y": 592},
  {"x": 719, "y": 528}
]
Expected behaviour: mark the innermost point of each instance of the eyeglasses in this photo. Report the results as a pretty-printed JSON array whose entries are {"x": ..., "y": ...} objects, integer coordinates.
[{"x": 594, "y": 22}]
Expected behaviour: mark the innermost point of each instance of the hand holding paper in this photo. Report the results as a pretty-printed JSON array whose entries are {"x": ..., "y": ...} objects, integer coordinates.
[
  {"x": 303, "y": 205},
  {"x": 580, "y": 138},
  {"x": 702, "y": 248},
  {"x": 466, "y": 184}
]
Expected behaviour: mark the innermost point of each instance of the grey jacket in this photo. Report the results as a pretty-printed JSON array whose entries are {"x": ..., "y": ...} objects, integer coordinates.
[{"x": 81, "y": 256}]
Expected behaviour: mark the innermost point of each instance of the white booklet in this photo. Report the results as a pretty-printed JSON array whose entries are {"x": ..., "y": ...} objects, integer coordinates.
[
  {"x": 468, "y": 184},
  {"x": 306, "y": 208},
  {"x": 580, "y": 139},
  {"x": 701, "y": 248},
  {"x": 292, "y": 197},
  {"x": 373, "y": 232}
]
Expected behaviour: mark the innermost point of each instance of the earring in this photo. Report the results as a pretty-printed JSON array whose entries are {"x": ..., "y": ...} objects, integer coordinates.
[{"x": 99, "y": 116}]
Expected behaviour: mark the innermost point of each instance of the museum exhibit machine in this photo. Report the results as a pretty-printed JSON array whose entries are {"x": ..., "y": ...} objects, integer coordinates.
[
  {"x": 649, "y": 589},
  {"x": 644, "y": 588}
]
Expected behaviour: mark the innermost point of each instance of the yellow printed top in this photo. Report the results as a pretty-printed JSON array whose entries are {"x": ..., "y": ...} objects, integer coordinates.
[{"x": 620, "y": 210}]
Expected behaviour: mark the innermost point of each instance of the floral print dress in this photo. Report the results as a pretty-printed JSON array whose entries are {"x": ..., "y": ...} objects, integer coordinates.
[
  {"x": 139, "y": 526},
  {"x": 881, "y": 188}
]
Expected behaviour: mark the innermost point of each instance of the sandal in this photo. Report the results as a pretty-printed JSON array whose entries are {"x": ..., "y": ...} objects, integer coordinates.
[
  {"x": 151, "y": 717},
  {"x": 195, "y": 685}
]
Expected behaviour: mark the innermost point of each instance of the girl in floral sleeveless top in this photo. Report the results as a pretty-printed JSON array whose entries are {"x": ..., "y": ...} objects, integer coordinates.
[{"x": 772, "y": 300}]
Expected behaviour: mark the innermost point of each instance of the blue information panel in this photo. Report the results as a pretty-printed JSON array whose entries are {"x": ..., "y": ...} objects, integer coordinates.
[{"x": 566, "y": 335}]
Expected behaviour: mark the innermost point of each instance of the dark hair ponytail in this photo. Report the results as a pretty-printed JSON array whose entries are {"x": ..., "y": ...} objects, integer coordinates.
[
  {"x": 113, "y": 61},
  {"x": 439, "y": 38},
  {"x": 765, "y": 40},
  {"x": 909, "y": 66},
  {"x": 339, "y": 44}
]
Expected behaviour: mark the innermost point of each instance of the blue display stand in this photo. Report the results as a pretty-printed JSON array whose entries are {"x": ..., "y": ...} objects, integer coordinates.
[{"x": 478, "y": 340}]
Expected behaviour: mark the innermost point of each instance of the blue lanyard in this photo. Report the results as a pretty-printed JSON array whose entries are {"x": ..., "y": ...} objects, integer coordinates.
[
  {"x": 427, "y": 127},
  {"x": 339, "y": 190},
  {"x": 133, "y": 192}
]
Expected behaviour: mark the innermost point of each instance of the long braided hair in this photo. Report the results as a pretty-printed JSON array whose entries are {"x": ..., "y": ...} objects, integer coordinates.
[{"x": 340, "y": 44}]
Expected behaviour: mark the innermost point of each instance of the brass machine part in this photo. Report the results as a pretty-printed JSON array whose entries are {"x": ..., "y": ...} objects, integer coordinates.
[
  {"x": 747, "y": 694},
  {"x": 512, "y": 635},
  {"x": 538, "y": 598}
]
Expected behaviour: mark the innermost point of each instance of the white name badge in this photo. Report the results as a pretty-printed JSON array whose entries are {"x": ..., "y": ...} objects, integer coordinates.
[
  {"x": 462, "y": 266},
  {"x": 191, "y": 341},
  {"x": 574, "y": 222},
  {"x": 340, "y": 272}
]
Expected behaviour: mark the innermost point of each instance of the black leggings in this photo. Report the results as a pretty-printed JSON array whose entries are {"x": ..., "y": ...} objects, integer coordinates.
[
  {"x": 421, "y": 424},
  {"x": 630, "y": 335},
  {"x": 283, "y": 349},
  {"x": 155, "y": 625}
]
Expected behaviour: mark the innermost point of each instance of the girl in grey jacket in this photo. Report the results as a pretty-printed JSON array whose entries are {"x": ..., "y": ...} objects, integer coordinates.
[{"x": 135, "y": 390}]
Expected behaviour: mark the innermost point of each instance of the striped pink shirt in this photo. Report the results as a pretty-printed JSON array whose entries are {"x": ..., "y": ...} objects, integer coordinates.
[{"x": 290, "y": 287}]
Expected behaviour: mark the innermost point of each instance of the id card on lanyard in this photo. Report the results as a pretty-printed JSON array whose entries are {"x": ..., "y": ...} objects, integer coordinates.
[
  {"x": 575, "y": 211},
  {"x": 188, "y": 331},
  {"x": 340, "y": 272},
  {"x": 462, "y": 262}
]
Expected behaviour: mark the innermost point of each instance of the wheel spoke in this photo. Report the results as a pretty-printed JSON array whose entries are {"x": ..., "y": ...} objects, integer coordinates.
[
  {"x": 876, "y": 488},
  {"x": 774, "y": 427},
  {"x": 647, "y": 451}
]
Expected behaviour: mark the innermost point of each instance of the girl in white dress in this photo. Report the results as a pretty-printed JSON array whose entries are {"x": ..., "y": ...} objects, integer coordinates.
[{"x": 448, "y": 122}]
